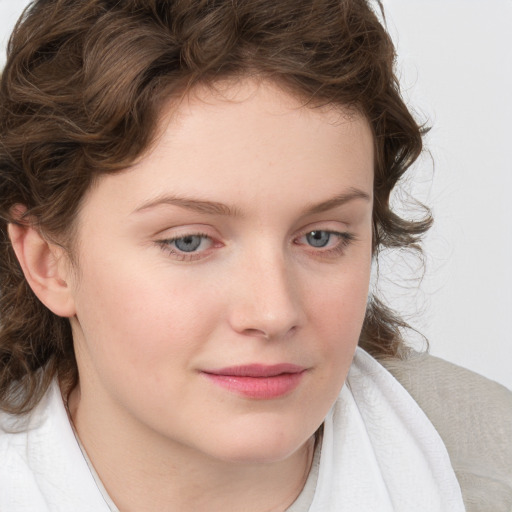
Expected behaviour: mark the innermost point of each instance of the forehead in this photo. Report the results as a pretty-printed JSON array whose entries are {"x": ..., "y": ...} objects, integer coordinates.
[
  {"x": 250, "y": 141},
  {"x": 260, "y": 118},
  {"x": 262, "y": 101},
  {"x": 276, "y": 98}
]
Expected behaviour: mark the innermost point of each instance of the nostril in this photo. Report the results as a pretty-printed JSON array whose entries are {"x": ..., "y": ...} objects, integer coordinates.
[
  {"x": 256, "y": 333},
  {"x": 261, "y": 333}
]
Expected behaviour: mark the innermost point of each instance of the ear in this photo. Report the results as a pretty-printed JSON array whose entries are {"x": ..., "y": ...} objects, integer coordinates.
[{"x": 45, "y": 265}]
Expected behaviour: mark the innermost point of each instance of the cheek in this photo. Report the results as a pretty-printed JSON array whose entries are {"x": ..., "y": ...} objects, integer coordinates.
[
  {"x": 337, "y": 316},
  {"x": 138, "y": 316},
  {"x": 342, "y": 300}
]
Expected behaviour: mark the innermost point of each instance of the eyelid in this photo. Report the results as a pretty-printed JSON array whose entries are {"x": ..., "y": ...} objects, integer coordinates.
[{"x": 178, "y": 230}]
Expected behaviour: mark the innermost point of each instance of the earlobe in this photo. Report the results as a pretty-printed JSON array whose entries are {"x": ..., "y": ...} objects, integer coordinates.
[{"x": 45, "y": 268}]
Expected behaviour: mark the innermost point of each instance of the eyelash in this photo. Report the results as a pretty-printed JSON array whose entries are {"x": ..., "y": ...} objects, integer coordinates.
[
  {"x": 345, "y": 240},
  {"x": 184, "y": 256}
]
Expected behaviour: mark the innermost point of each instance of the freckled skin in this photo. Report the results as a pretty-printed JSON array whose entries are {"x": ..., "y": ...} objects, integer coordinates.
[{"x": 266, "y": 282}]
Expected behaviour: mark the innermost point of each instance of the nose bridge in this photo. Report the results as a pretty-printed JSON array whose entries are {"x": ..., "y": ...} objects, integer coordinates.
[{"x": 267, "y": 301}]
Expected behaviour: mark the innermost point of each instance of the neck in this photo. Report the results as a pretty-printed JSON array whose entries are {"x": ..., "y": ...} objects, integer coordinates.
[{"x": 142, "y": 471}]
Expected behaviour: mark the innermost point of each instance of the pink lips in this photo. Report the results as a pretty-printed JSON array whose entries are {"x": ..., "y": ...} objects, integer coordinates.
[{"x": 258, "y": 381}]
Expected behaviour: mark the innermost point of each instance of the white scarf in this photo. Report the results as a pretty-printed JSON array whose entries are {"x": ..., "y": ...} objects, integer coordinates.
[{"x": 380, "y": 453}]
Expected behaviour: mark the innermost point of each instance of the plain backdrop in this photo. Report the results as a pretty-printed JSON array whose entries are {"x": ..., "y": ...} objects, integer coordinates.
[{"x": 455, "y": 66}]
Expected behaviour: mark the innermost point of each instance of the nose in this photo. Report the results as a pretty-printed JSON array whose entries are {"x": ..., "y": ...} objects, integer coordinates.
[{"x": 267, "y": 301}]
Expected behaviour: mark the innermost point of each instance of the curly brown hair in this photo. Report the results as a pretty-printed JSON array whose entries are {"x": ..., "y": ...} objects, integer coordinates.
[{"x": 81, "y": 95}]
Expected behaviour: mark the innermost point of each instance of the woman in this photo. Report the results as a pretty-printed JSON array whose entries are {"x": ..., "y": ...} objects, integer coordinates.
[{"x": 192, "y": 197}]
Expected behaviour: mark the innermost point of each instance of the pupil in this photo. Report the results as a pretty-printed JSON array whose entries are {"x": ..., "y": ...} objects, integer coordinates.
[
  {"x": 188, "y": 243},
  {"x": 318, "y": 238}
]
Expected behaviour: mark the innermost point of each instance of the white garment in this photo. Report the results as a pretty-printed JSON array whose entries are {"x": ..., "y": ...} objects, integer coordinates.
[
  {"x": 379, "y": 453},
  {"x": 41, "y": 467}
]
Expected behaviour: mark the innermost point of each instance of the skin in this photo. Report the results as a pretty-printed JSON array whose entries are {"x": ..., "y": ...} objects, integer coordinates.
[{"x": 149, "y": 319}]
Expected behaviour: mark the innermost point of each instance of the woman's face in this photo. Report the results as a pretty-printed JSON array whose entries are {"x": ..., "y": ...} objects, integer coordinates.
[{"x": 223, "y": 280}]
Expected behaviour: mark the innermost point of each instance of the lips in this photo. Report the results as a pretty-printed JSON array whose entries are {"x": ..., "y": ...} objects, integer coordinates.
[
  {"x": 258, "y": 381},
  {"x": 257, "y": 370}
]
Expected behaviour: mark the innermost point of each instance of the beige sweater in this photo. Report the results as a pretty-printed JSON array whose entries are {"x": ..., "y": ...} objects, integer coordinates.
[{"x": 473, "y": 416}]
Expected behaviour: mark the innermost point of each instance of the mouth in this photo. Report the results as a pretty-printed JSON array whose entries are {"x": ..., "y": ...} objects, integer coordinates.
[{"x": 258, "y": 381}]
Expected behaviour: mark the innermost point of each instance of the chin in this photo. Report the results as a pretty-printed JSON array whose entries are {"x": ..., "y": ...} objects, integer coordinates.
[{"x": 260, "y": 449}]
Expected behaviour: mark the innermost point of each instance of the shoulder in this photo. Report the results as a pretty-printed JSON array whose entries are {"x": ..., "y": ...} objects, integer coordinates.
[
  {"x": 20, "y": 492},
  {"x": 473, "y": 416},
  {"x": 33, "y": 451},
  {"x": 42, "y": 467}
]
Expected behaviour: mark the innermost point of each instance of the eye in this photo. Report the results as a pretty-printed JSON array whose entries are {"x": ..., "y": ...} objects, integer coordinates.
[
  {"x": 318, "y": 238},
  {"x": 189, "y": 243},
  {"x": 188, "y": 247},
  {"x": 326, "y": 242}
]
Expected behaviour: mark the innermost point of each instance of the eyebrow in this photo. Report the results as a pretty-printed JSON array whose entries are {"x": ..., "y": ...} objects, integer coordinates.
[
  {"x": 217, "y": 208},
  {"x": 199, "y": 206},
  {"x": 336, "y": 201}
]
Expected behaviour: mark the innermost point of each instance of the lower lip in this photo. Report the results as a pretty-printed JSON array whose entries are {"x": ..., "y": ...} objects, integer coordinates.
[{"x": 262, "y": 388}]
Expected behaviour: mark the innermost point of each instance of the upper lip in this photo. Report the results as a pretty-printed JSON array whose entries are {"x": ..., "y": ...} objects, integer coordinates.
[{"x": 257, "y": 370}]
